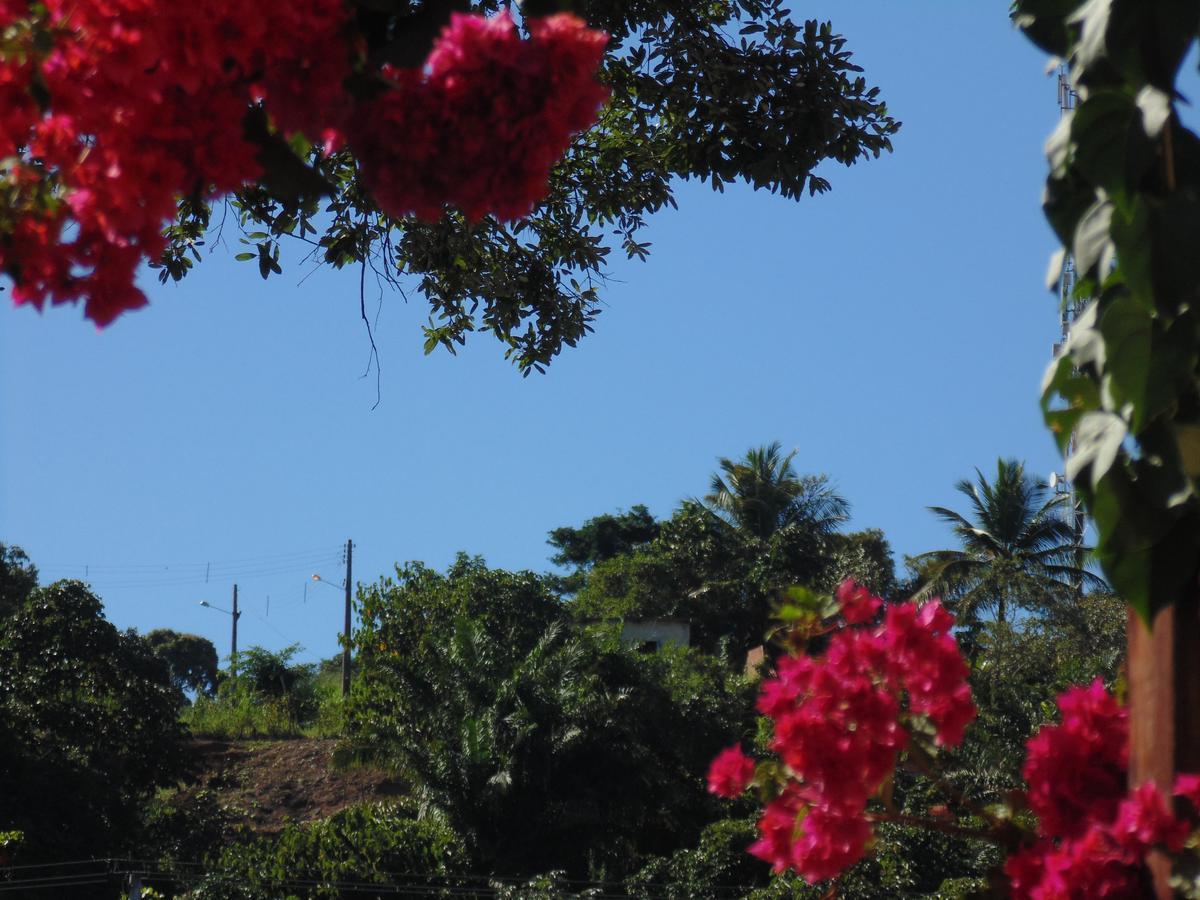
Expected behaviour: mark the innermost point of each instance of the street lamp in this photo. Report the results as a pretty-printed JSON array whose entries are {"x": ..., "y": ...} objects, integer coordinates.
[{"x": 233, "y": 641}]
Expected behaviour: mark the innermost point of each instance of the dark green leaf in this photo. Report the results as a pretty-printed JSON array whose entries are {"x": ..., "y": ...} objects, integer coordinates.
[
  {"x": 1044, "y": 23},
  {"x": 1111, "y": 149}
]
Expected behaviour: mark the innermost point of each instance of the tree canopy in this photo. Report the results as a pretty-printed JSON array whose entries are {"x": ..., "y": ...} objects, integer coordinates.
[
  {"x": 191, "y": 659},
  {"x": 501, "y": 712},
  {"x": 728, "y": 91},
  {"x": 1018, "y": 548},
  {"x": 88, "y": 725},
  {"x": 600, "y": 538},
  {"x": 762, "y": 493},
  {"x": 18, "y": 578},
  {"x": 1123, "y": 198},
  {"x": 326, "y": 124},
  {"x": 722, "y": 566}
]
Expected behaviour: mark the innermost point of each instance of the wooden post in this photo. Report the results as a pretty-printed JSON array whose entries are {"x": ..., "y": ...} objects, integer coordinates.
[
  {"x": 1164, "y": 704},
  {"x": 233, "y": 639},
  {"x": 346, "y": 630}
]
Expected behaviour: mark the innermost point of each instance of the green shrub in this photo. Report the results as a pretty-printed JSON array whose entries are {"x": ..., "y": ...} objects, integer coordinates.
[
  {"x": 184, "y": 825},
  {"x": 238, "y": 711},
  {"x": 548, "y": 748},
  {"x": 89, "y": 726},
  {"x": 272, "y": 698},
  {"x": 329, "y": 720},
  {"x": 374, "y": 844},
  {"x": 550, "y": 886},
  {"x": 718, "y": 866}
]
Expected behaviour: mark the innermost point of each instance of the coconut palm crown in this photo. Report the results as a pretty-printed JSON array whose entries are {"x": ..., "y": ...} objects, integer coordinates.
[
  {"x": 1019, "y": 548},
  {"x": 761, "y": 493}
]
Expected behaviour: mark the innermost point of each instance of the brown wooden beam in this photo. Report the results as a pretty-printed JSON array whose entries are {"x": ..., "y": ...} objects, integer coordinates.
[{"x": 1164, "y": 704}]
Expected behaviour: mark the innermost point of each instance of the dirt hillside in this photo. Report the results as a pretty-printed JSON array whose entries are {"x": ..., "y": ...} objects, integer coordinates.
[{"x": 269, "y": 783}]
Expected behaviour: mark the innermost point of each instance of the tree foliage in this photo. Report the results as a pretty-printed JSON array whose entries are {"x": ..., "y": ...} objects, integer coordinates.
[
  {"x": 762, "y": 493},
  {"x": 18, "y": 578},
  {"x": 191, "y": 659},
  {"x": 1018, "y": 548},
  {"x": 363, "y": 845},
  {"x": 1123, "y": 197},
  {"x": 721, "y": 566},
  {"x": 1019, "y": 670},
  {"x": 729, "y": 91},
  {"x": 499, "y": 713},
  {"x": 273, "y": 673},
  {"x": 601, "y": 538},
  {"x": 88, "y": 725}
]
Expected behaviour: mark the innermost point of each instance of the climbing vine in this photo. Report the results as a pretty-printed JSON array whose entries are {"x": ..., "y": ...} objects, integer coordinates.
[{"x": 1123, "y": 197}]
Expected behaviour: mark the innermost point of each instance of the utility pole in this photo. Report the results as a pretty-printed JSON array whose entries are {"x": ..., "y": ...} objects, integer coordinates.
[
  {"x": 346, "y": 630},
  {"x": 233, "y": 641}
]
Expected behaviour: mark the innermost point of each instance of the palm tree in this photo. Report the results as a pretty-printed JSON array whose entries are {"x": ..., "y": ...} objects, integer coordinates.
[
  {"x": 1020, "y": 548},
  {"x": 762, "y": 493}
]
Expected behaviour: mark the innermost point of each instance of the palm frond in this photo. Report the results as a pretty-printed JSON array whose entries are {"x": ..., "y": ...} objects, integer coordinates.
[{"x": 1017, "y": 546}]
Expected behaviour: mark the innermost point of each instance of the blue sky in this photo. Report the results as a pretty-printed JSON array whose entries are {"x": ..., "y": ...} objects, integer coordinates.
[{"x": 894, "y": 330}]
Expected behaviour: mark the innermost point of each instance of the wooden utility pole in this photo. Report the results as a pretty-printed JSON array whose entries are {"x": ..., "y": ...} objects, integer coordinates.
[
  {"x": 346, "y": 629},
  {"x": 1164, "y": 704},
  {"x": 233, "y": 641}
]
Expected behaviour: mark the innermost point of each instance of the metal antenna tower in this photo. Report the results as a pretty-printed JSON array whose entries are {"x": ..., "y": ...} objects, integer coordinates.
[
  {"x": 1067, "y": 99},
  {"x": 1069, "y": 308}
]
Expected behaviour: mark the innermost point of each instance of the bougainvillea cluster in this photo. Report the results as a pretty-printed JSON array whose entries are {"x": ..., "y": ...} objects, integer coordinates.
[
  {"x": 730, "y": 772},
  {"x": 111, "y": 110},
  {"x": 482, "y": 126},
  {"x": 841, "y": 718},
  {"x": 1093, "y": 833}
]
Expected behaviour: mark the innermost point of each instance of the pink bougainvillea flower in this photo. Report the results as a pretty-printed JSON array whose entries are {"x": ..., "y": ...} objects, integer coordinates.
[
  {"x": 1187, "y": 786},
  {"x": 146, "y": 101},
  {"x": 483, "y": 124},
  {"x": 777, "y": 828},
  {"x": 140, "y": 102},
  {"x": 839, "y": 725},
  {"x": 730, "y": 772},
  {"x": 1143, "y": 821},
  {"x": 1090, "y": 866},
  {"x": 858, "y": 604},
  {"x": 1077, "y": 770},
  {"x": 1093, "y": 834}
]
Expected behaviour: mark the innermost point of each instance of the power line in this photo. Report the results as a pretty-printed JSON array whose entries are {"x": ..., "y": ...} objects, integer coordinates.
[
  {"x": 264, "y": 557},
  {"x": 167, "y": 575},
  {"x": 405, "y": 884},
  {"x": 206, "y": 570},
  {"x": 131, "y": 865}
]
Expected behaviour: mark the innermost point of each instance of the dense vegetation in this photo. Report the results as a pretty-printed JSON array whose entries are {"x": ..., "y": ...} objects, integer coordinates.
[
  {"x": 541, "y": 753},
  {"x": 539, "y": 749},
  {"x": 89, "y": 722}
]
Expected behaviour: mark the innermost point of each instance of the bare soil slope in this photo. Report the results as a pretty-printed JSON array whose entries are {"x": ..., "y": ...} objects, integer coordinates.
[{"x": 270, "y": 783}]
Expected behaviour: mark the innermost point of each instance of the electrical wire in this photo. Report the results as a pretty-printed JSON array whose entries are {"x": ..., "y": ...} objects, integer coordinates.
[
  {"x": 244, "y": 560},
  {"x": 156, "y": 576},
  {"x": 434, "y": 884}
]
